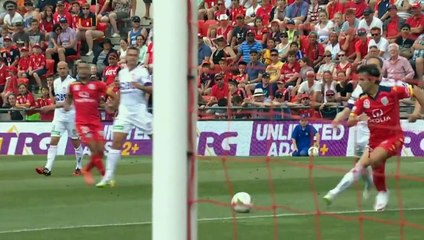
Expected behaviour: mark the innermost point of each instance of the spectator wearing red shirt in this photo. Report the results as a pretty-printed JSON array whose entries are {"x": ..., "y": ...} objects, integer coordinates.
[
  {"x": 392, "y": 26},
  {"x": 358, "y": 5},
  {"x": 264, "y": 12},
  {"x": 236, "y": 10},
  {"x": 219, "y": 90},
  {"x": 11, "y": 85},
  {"x": 45, "y": 101},
  {"x": 86, "y": 28},
  {"x": 75, "y": 12},
  {"x": 37, "y": 64},
  {"x": 23, "y": 63},
  {"x": 261, "y": 31},
  {"x": 148, "y": 62},
  {"x": 207, "y": 8},
  {"x": 224, "y": 28},
  {"x": 336, "y": 6},
  {"x": 111, "y": 71},
  {"x": 3, "y": 74},
  {"x": 312, "y": 49},
  {"x": 61, "y": 13},
  {"x": 25, "y": 99},
  {"x": 221, "y": 10},
  {"x": 416, "y": 21},
  {"x": 361, "y": 46},
  {"x": 46, "y": 23},
  {"x": 104, "y": 8},
  {"x": 290, "y": 70}
]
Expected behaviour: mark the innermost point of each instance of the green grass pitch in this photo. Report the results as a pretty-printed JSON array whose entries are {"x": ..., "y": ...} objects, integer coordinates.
[{"x": 62, "y": 207}]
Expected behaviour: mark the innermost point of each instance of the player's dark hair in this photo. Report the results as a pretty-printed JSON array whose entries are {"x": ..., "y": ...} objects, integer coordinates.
[{"x": 371, "y": 70}]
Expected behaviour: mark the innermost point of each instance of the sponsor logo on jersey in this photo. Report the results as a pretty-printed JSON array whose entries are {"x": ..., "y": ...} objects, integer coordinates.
[
  {"x": 385, "y": 101},
  {"x": 367, "y": 103}
]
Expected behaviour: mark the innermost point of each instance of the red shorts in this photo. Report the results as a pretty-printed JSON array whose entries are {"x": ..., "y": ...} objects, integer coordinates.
[
  {"x": 393, "y": 145},
  {"x": 90, "y": 132}
]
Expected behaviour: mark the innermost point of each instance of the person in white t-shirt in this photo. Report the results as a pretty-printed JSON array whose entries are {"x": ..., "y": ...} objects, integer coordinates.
[
  {"x": 370, "y": 21},
  {"x": 379, "y": 41},
  {"x": 63, "y": 121},
  {"x": 135, "y": 83},
  {"x": 311, "y": 87},
  {"x": 11, "y": 16}
]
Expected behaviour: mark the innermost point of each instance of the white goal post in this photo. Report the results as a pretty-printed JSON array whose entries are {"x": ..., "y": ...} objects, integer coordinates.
[{"x": 173, "y": 41}]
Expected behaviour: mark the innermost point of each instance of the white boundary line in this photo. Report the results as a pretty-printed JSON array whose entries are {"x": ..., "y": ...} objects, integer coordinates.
[{"x": 217, "y": 219}]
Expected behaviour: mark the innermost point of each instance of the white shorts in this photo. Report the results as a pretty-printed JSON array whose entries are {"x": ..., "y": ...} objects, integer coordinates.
[
  {"x": 60, "y": 127},
  {"x": 142, "y": 120},
  {"x": 362, "y": 140}
]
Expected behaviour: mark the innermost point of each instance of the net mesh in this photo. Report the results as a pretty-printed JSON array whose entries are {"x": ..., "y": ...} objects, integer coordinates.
[{"x": 241, "y": 155}]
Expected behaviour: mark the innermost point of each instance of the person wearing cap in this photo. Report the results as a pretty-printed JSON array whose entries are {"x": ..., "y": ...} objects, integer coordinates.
[
  {"x": 37, "y": 64},
  {"x": 9, "y": 52},
  {"x": 24, "y": 62},
  {"x": 101, "y": 58},
  {"x": 11, "y": 85},
  {"x": 219, "y": 90},
  {"x": 259, "y": 101},
  {"x": 370, "y": 21},
  {"x": 292, "y": 31},
  {"x": 20, "y": 37},
  {"x": 121, "y": 10},
  {"x": 86, "y": 28},
  {"x": 416, "y": 21},
  {"x": 224, "y": 28},
  {"x": 303, "y": 137},
  {"x": 62, "y": 13},
  {"x": 239, "y": 32},
  {"x": 329, "y": 108},
  {"x": 267, "y": 87},
  {"x": 247, "y": 46},
  {"x": 392, "y": 24},
  {"x": 297, "y": 11},
  {"x": 136, "y": 30},
  {"x": 11, "y": 16},
  {"x": 405, "y": 42},
  {"x": 361, "y": 45},
  {"x": 67, "y": 42}
]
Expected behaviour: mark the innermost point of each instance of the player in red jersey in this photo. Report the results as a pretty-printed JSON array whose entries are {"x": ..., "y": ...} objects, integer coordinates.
[
  {"x": 86, "y": 96},
  {"x": 380, "y": 106}
]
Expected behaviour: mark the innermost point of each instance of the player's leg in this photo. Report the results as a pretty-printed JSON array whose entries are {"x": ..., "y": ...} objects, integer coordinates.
[
  {"x": 57, "y": 129},
  {"x": 350, "y": 177},
  {"x": 79, "y": 152},
  {"x": 367, "y": 177},
  {"x": 121, "y": 127},
  {"x": 303, "y": 152}
]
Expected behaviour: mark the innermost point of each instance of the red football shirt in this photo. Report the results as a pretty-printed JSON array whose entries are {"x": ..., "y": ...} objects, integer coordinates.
[
  {"x": 220, "y": 93},
  {"x": 37, "y": 61},
  {"x": 109, "y": 74},
  {"x": 361, "y": 47},
  {"x": 89, "y": 21},
  {"x": 86, "y": 100},
  {"x": 57, "y": 16},
  {"x": 289, "y": 71},
  {"x": 41, "y": 102},
  {"x": 358, "y": 7},
  {"x": 23, "y": 63},
  {"x": 13, "y": 85},
  {"x": 415, "y": 22},
  {"x": 383, "y": 112},
  {"x": 26, "y": 99},
  {"x": 3, "y": 74}
]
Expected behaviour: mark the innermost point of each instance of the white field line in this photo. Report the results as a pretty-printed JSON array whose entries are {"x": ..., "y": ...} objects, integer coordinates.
[{"x": 217, "y": 219}]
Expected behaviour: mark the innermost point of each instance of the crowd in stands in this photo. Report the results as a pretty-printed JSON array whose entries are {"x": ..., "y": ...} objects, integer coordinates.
[
  {"x": 301, "y": 55},
  {"x": 37, "y": 34}
]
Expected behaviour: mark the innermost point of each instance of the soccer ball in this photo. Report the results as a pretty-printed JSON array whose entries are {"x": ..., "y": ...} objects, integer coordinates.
[
  {"x": 241, "y": 202},
  {"x": 313, "y": 151}
]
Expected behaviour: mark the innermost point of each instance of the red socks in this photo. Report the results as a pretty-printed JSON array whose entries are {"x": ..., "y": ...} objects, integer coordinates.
[
  {"x": 96, "y": 161},
  {"x": 379, "y": 177}
]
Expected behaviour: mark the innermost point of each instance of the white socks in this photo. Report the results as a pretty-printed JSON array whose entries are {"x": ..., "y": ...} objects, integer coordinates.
[
  {"x": 348, "y": 179},
  {"x": 51, "y": 156},
  {"x": 367, "y": 177},
  {"x": 78, "y": 157},
  {"x": 112, "y": 159}
]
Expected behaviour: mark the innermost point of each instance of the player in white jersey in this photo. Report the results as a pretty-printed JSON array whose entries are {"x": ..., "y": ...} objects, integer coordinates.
[
  {"x": 362, "y": 138},
  {"x": 134, "y": 82},
  {"x": 63, "y": 121}
]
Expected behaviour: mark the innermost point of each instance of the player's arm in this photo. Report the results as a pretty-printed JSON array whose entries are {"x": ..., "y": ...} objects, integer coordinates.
[
  {"x": 147, "y": 87},
  {"x": 418, "y": 94},
  {"x": 114, "y": 103},
  {"x": 68, "y": 102}
]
